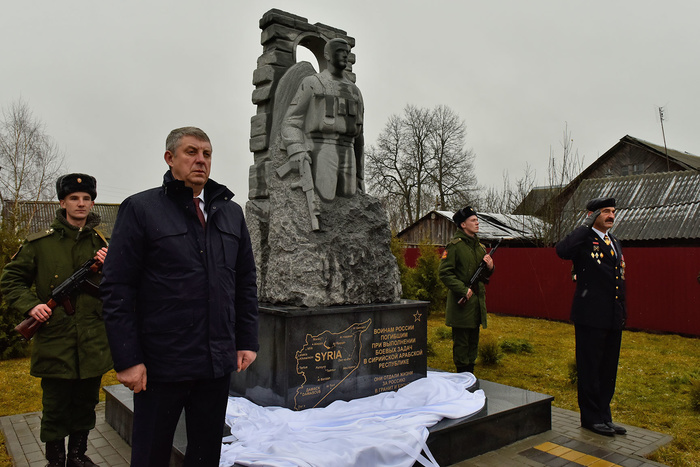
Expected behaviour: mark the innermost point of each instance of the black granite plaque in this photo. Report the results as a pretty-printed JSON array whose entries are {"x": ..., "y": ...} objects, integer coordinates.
[{"x": 310, "y": 357}]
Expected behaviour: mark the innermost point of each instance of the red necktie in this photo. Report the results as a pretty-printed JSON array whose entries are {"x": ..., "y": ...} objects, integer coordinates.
[{"x": 200, "y": 214}]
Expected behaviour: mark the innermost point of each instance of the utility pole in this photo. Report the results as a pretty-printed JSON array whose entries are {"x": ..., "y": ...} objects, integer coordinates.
[{"x": 661, "y": 117}]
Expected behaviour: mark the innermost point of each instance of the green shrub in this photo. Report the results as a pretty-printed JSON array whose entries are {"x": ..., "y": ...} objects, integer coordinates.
[
  {"x": 421, "y": 282},
  {"x": 397, "y": 249},
  {"x": 695, "y": 395},
  {"x": 516, "y": 346},
  {"x": 489, "y": 351},
  {"x": 573, "y": 372},
  {"x": 443, "y": 332},
  {"x": 12, "y": 344}
]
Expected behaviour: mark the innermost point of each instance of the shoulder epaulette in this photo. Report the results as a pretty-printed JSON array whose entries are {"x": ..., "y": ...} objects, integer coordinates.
[
  {"x": 455, "y": 241},
  {"x": 41, "y": 234},
  {"x": 101, "y": 235}
]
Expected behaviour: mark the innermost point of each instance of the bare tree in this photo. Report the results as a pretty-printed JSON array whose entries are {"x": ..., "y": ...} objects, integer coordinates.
[
  {"x": 388, "y": 174},
  {"x": 418, "y": 128},
  {"x": 510, "y": 196},
  {"x": 420, "y": 163},
  {"x": 30, "y": 161},
  {"x": 560, "y": 173},
  {"x": 452, "y": 166},
  {"x": 548, "y": 207}
]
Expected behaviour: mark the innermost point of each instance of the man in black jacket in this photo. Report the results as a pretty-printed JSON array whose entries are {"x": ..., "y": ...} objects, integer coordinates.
[
  {"x": 180, "y": 304},
  {"x": 598, "y": 312}
]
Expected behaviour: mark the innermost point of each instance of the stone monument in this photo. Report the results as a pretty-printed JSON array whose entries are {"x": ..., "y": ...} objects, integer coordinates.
[
  {"x": 332, "y": 326},
  {"x": 332, "y": 323}
]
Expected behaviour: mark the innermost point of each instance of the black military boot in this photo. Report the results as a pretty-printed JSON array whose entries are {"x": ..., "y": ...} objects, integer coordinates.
[
  {"x": 469, "y": 368},
  {"x": 77, "y": 445},
  {"x": 56, "y": 453}
]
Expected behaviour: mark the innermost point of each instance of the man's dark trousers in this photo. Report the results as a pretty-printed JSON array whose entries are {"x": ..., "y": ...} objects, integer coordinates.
[
  {"x": 597, "y": 356},
  {"x": 157, "y": 411}
]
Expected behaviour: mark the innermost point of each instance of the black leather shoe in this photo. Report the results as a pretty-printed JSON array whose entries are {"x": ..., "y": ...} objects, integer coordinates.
[
  {"x": 616, "y": 428},
  {"x": 601, "y": 429}
]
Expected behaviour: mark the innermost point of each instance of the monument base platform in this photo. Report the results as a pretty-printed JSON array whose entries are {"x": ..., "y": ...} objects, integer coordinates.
[
  {"x": 311, "y": 357},
  {"x": 510, "y": 414}
]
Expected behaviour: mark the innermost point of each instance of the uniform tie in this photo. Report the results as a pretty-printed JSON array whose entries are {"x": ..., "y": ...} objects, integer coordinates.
[
  {"x": 606, "y": 239},
  {"x": 200, "y": 214}
]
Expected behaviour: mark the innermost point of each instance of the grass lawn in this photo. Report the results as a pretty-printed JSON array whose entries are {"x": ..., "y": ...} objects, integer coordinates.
[
  {"x": 655, "y": 388},
  {"x": 654, "y": 385}
]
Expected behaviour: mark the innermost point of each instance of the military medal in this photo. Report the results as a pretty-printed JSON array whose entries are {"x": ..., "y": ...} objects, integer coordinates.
[{"x": 622, "y": 266}]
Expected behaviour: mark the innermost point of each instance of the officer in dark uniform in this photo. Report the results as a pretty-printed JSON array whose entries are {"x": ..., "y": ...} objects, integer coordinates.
[
  {"x": 598, "y": 312},
  {"x": 70, "y": 352}
]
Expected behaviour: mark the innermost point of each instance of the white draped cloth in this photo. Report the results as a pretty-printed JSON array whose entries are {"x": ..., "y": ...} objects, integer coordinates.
[{"x": 385, "y": 430}]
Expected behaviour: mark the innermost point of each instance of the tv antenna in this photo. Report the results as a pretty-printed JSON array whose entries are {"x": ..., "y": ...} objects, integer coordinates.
[{"x": 661, "y": 117}]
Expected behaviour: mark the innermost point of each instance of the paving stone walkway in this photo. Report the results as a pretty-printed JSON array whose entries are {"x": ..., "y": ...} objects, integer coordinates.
[
  {"x": 105, "y": 446},
  {"x": 566, "y": 444}
]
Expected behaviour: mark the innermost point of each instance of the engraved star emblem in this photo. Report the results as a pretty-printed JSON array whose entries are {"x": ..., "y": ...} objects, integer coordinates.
[{"x": 417, "y": 315}]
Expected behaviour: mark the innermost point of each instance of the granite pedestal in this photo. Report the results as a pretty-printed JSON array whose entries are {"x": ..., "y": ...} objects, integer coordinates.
[
  {"x": 310, "y": 357},
  {"x": 510, "y": 414}
]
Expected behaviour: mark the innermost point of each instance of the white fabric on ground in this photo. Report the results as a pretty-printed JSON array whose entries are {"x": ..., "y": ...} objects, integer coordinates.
[{"x": 385, "y": 430}]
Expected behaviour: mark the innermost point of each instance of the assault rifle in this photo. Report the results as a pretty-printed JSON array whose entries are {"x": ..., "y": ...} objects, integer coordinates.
[
  {"x": 61, "y": 296},
  {"x": 306, "y": 183},
  {"x": 478, "y": 274}
]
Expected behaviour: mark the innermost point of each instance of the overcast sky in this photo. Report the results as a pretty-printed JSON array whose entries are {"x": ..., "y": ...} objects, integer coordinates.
[{"x": 110, "y": 79}]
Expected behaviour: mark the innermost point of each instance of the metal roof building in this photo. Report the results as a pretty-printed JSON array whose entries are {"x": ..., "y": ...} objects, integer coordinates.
[
  {"x": 650, "y": 207},
  {"x": 629, "y": 157},
  {"x": 42, "y": 213},
  {"x": 437, "y": 228}
]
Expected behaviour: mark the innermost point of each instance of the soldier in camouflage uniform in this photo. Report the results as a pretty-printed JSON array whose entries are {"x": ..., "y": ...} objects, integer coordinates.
[
  {"x": 70, "y": 352},
  {"x": 460, "y": 260}
]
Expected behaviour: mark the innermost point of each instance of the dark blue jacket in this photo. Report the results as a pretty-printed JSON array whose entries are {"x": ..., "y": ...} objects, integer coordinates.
[
  {"x": 599, "y": 300},
  {"x": 177, "y": 297}
]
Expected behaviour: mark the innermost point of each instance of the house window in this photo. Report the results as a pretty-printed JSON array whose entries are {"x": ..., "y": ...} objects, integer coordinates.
[{"x": 632, "y": 169}]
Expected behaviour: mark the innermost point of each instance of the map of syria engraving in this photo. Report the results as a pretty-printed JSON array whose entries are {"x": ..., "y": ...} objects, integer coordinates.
[{"x": 325, "y": 361}]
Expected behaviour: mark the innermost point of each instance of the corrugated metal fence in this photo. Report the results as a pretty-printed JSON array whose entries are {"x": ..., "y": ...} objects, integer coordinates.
[{"x": 663, "y": 292}]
